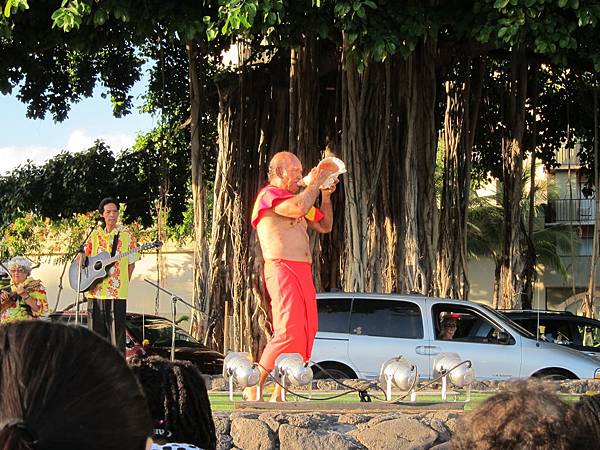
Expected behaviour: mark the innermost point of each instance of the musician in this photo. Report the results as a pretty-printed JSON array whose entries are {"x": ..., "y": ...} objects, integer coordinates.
[
  {"x": 27, "y": 296},
  {"x": 107, "y": 300}
]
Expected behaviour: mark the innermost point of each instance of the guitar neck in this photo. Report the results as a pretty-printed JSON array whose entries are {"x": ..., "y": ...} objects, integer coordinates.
[{"x": 118, "y": 256}]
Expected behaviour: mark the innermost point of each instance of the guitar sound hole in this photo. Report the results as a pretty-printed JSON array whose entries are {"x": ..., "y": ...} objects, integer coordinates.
[{"x": 98, "y": 265}]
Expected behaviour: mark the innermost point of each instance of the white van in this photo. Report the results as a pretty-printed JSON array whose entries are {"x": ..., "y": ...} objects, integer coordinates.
[{"x": 359, "y": 332}]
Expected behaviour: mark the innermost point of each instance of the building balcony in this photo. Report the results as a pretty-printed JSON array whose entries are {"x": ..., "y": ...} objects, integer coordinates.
[
  {"x": 567, "y": 158},
  {"x": 579, "y": 211}
]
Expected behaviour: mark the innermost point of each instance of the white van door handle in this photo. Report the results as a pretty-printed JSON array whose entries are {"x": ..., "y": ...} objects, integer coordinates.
[{"x": 427, "y": 350}]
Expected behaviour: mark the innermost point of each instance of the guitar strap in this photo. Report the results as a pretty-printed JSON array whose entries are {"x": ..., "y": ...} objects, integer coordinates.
[{"x": 114, "y": 244}]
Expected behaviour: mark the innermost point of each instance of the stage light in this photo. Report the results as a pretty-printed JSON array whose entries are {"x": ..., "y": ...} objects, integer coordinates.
[
  {"x": 238, "y": 367},
  {"x": 291, "y": 367},
  {"x": 450, "y": 367},
  {"x": 400, "y": 372}
]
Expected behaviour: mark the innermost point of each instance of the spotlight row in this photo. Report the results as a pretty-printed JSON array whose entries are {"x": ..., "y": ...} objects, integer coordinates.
[{"x": 291, "y": 369}]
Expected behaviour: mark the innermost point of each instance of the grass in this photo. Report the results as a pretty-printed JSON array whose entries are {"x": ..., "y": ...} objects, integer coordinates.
[{"x": 220, "y": 400}]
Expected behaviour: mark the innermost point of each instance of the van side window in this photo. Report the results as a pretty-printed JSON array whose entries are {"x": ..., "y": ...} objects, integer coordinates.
[
  {"x": 469, "y": 325},
  {"x": 386, "y": 318},
  {"x": 590, "y": 335},
  {"x": 334, "y": 314}
]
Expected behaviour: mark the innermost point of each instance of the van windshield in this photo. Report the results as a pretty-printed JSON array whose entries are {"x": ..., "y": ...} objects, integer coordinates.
[{"x": 518, "y": 328}]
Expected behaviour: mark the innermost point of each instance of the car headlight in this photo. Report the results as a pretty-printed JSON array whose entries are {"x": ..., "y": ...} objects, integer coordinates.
[{"x": 597, "y": 374}]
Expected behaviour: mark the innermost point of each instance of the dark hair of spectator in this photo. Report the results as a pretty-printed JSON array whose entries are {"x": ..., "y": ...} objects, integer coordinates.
[
  {"x": 587, "y": 416},
  {"x": 106, "y": 201},
  {"x": 65, "y": 388},
  {"x": 178, "y": 401},
  {"x": 526, "y": 416}
]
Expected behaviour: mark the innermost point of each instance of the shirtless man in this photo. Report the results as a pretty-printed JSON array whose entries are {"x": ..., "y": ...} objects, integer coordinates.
[{"x": 281, "y": 216}]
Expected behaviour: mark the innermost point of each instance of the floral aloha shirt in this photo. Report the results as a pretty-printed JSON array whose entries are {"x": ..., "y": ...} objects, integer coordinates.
[{"x": 20, "y": 310}]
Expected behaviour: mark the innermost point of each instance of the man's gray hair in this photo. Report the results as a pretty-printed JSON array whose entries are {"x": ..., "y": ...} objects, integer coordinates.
[{"x": 20, "y": 262}]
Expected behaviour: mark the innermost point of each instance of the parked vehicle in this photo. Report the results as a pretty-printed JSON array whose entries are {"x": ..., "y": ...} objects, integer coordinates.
[
  {"x": 359, "y": 332},
  {"x": 148, "y": 335},
  {"x": 564, "y": 328}
]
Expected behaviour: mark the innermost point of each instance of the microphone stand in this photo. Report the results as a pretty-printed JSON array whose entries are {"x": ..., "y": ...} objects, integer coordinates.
[
  {"x": 174, "y": 300},
  {"x": 81, "y": 263}
]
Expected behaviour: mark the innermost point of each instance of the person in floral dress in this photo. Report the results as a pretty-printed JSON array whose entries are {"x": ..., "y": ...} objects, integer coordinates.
[{"x": 27, "y": 296}]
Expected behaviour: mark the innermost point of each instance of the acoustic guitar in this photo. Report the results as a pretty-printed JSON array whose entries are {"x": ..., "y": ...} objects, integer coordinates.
[{"x": 96, "y": 267}]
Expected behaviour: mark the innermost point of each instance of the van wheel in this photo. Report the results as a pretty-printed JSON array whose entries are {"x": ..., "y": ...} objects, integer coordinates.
[
  {"x": 555, "y": 374},
  {"x": 325, "y": 371}
]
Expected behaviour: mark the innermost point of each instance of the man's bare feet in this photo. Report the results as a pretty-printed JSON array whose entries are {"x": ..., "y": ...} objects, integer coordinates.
[
  {"x": 250, "y": 394},
  {"x": 277, "y": 395}
]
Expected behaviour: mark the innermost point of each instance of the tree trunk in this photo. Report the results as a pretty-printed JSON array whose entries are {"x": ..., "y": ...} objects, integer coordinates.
[
  {"x": 420, "y": 209},
  {"x": 588, "y": 304},
  {"x": 463, "y": 96},
  {"x": 251, "y": 125},
  {"x": 200, "y": 324},
  {"x": 257, "y": 113},
  {"x": 370, "y": 148},
  {"x": 512, "y": 174},
  {"x": 529, "y": 273},
  {"x": 304, "y": 138}
]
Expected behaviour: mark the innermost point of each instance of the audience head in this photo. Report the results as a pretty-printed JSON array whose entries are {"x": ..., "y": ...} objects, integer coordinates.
[
  {"x": 64, "y": 387},
  {"x": 178, "y": 401},
  {"x": 525, "y": 416},
  {"x": 587, "y": 416}
]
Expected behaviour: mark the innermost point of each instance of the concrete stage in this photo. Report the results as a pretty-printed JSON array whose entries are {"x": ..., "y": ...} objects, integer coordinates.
[{"x": 344, "y": 407}]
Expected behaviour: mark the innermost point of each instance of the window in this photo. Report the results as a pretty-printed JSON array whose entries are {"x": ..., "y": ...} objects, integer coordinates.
[
  {"x": 470, "y": 326},
  {"x": 557, "y": 332},
  {"x": 386, "y": 318},
  {"x": 334, "y": 314},
  {"x": 159, "y": 331},
  {"x": 590, "y": 335}
]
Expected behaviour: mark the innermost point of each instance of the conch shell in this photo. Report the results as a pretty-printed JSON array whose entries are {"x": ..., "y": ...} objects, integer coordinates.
[{"x": 330, "y": 163}]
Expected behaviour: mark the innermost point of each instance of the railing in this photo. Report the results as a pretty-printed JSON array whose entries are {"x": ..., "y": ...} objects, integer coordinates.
[{"x": 564, "y": 210}]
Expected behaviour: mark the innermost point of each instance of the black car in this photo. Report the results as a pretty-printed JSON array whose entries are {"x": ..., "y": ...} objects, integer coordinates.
[
  {"x": 151, "y": 335},
  {"x": 564, "y": 328}
]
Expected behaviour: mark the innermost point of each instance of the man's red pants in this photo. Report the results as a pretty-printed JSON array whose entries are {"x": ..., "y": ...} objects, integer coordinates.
[{"x": 294, "y": 309}]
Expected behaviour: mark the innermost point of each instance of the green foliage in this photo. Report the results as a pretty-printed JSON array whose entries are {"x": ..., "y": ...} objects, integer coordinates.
[
  {"x": 183, "y": 230},
  {"x": 30, "y": 234},
  {"x": 553, "y": 28},
  {"x": 68, "y": 234},
  {"x": 24, "y": 235},
  {"x": 161, "y": 155},
  {"x": 13, "y": 6},
  {"x": 70, "y": 14},
  {"x": 73, "y": 183}
]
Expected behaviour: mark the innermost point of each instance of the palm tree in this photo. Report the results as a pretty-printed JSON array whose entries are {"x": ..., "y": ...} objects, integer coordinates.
[{"x": 485, "y": 234}]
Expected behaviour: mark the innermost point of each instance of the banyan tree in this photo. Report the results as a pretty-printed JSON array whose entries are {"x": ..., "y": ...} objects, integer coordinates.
[{"x": 395, "y": 89}]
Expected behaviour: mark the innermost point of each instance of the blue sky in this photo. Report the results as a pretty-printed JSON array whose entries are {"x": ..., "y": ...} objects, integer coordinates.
[{"x": 38, "y": 140}]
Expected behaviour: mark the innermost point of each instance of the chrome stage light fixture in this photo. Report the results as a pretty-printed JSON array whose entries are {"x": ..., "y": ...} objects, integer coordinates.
[
  {"x": 291, "y": 367},
  {"x": 451, "y": 367},
  {"x": 238, "y": 367},
  {"x": 400, "y": 372}
]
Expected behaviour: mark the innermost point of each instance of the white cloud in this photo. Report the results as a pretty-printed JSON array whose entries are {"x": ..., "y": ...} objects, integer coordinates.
[
  {"x": 79, "y": 139},
  {"x": 14, "y": 156}
]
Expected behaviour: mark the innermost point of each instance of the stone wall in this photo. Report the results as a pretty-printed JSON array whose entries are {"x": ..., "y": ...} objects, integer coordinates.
[
  {"x": 278, "y": 430},
  {"x": 327, "y": 431}
]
